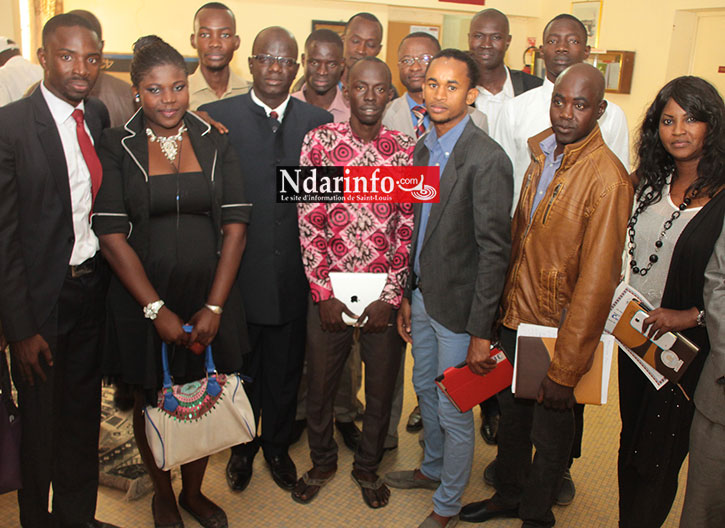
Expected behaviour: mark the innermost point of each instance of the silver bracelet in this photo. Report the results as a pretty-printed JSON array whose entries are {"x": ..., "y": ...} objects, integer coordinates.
[
  {"x": 701, "y": 318},
  {"x": 151, "y": 310},
  {"x": 213, "y": 308}
]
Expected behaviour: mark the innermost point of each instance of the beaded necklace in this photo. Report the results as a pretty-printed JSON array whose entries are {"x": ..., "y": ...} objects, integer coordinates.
[{"x": 632, "y": 245}]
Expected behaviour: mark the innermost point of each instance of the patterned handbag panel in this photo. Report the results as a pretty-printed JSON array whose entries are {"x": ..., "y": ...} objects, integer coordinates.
[{"x": 194, "y": 398}]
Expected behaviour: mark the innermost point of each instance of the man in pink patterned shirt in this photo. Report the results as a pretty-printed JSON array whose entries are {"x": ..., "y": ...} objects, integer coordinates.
[{"x": 365, "y": 237}]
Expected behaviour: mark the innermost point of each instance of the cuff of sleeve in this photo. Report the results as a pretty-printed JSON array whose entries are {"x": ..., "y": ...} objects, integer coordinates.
[
  {"x": 321, "y": 293},
  {"x": 106, "y": 224},
  {"x": 562, "y": 376},
  {"x": 236, "y": 213}
]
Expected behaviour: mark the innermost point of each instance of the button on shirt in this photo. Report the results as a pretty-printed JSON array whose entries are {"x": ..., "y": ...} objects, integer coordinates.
[
  {"x": 350, "y": 237},
  {"x": 411, "y": 104},
  {"x": 526, "y": 115},
  {"x": 440, "y": 150},
  {"x": 551, "y": 165},
  {"x": 79, "y": 179},
  {"x": 491, "y": 104}
]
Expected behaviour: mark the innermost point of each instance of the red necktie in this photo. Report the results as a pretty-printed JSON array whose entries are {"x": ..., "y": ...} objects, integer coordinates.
[
  {"x": 274, "y": 120},
  {"x": 419, "y": 112},
  {"x": 89, "y": 155}
]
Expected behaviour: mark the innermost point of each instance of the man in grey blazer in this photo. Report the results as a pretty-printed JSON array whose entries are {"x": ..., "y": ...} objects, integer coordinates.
[
  {"x": 704, "y": 505},
  {"x": 460, "y": 254},
  {"x": 407, "y": 113}
]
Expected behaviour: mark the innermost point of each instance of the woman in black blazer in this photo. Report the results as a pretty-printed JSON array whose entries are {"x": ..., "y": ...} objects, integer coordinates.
[{"x": 171, "y": 219}]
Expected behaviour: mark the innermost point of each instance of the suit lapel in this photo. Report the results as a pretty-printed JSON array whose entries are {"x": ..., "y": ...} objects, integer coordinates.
[
  {"x": 448, "y": 180},
  {"x": 203, "y": 146},
  {"x": 52, "y": 149}
]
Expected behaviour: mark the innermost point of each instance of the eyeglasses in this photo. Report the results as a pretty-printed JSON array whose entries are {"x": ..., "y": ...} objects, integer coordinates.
[
  {"x": 423, "y": 60},
  {"x": 268, "y": 60}
]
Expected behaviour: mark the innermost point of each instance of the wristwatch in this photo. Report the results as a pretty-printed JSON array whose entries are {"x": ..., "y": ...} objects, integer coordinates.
[
  {"x": 701, "y": 318},
  {"x": 213, "y": 308},
  {"x": 151, "y": 310}
]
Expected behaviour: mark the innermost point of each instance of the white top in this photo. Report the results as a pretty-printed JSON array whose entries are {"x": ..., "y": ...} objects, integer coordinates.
[
  {"x": 649, "y": 226},
  {"x": 526, "y": 115},
  {"x": 491, "y": 104},
  {"x": 280, "y": 109},
  {"x": 79, "y": 178},
  {"x": 16, "y": 76}
]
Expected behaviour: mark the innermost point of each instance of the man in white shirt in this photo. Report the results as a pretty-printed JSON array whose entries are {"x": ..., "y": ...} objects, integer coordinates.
[
  {"x": 488, "y": 41},
  {"x": 16, "y": 73},
  {"x": 52, "y": 280},
  {"x": 565, "y": 43}
]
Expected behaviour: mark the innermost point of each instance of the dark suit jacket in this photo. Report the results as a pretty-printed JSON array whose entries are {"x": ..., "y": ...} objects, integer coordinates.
[
  {"x": 271, "y": 277},
  {"x": 523, "y": 82},
  {"x": 36, "y": 226},
  {"x": 467, "y": 241}
]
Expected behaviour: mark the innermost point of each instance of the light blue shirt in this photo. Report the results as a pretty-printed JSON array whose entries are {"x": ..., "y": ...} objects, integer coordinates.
[
  {"x": 411, "y": 104},
  {"x": 440, "y": 150},
  {"x": 551, "y": 165}
]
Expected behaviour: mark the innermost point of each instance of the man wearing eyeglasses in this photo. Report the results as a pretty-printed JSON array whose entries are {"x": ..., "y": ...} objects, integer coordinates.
[
  {"x": 407, "y": 113},
  {"x": 266, "y": 128},
  {"x": 323, "y": 64}
]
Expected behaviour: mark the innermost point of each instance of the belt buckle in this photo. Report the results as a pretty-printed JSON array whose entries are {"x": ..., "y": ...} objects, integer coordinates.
[{"x": 80, "y": 270}]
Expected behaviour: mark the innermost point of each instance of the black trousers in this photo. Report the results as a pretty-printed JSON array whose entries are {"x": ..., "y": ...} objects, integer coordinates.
[
  {"x": 275, "y": 366},
  {"x": 327, "y": 353},
  {"x": 61, "y": 416},
  {"x": 532, "y": 485}
]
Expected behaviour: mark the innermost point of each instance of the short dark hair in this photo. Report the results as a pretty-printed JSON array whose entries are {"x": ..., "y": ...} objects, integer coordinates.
[
  {"x": 572, "y": 18},
  {"x": 324, "y": 35},
  {"x": 66, "y": 20},
  {"x": 374, "y": 60},
  {"x": 367, "y": 16},
  {"x": 93, "y": 19},
  {"x": 470, "y": 62},
  {"x": 703, "y": 103},
  {"x": 215, "y": 5},
  {"x": 421, "y": 34},
  {"x": 151, "y": 51}
]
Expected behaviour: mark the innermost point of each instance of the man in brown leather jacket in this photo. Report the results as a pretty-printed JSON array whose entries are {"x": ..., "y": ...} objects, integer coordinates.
[{"x": 567, "y": 238}]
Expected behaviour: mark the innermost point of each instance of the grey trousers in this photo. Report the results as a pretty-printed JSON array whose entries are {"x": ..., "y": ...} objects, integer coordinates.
[{"x": 705, "y": 499}]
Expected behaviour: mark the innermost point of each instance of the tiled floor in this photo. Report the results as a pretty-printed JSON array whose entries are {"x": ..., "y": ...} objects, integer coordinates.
[{"x": 339, "y": 504}]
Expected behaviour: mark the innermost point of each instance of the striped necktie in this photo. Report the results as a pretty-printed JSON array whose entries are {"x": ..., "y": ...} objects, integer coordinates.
[{"x": 419, "y": 112}]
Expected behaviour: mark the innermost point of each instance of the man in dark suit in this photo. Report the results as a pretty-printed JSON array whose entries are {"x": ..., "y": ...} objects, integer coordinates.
[
  {"x": 266, "y": 127},
  {"x": 460, "y": 255},
  {"x": 488, "y": 41},
  {"x": 53, "y": 287}
]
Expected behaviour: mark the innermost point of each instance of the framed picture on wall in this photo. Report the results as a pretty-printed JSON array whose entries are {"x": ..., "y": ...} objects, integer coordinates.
[
  {"x": 337, "y": 27},
  {"x": 590, "y": 14}
]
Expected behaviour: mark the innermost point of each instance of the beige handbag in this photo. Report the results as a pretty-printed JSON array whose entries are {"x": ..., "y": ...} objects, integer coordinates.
[{"x": 198, "y": 419}]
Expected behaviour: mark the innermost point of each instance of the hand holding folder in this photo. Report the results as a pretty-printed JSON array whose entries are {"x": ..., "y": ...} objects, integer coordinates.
[
  {"x": 534, "y": 349},
  {"x": 466, "y": 389}
]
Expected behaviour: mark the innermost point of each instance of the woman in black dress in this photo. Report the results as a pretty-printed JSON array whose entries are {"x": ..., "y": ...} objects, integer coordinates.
[
  {"x": 678, "y": 215},
  {"x": 171, "y": 220}
]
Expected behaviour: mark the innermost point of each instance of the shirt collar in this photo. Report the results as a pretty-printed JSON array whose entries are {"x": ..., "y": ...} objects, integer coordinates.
[
  {"x": 548, "y": 146},
  {"x": 280, "y": 109},
  {"x": 59, "y": 109},
  {"x": 448, "y": 140},
  {"x": 507, "y": 90},
  {"x": 338, "y": 103},
  {"x": 411, "y": 101},
  {"x": 197, "y": 82}
]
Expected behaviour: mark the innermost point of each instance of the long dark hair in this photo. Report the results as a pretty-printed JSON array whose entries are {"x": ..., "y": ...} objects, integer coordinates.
[
  {"x": 703, "y": 103},
  {"x": 151, "y": 51}
]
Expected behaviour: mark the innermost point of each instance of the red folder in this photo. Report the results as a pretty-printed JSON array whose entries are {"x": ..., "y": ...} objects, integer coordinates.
[{"x": 466, "y": 389}]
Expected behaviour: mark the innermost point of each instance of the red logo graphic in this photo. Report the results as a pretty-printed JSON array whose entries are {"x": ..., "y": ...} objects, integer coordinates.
[{"x": 392, "y": 184}]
